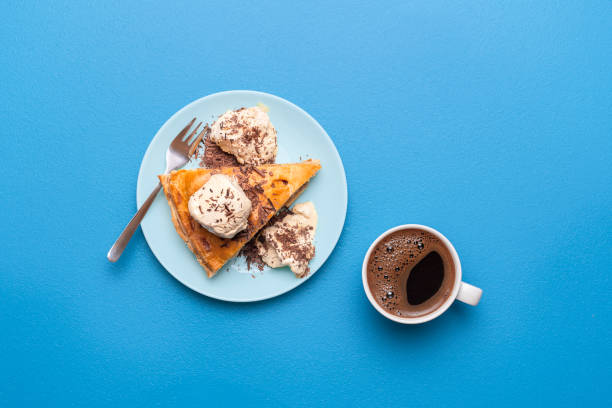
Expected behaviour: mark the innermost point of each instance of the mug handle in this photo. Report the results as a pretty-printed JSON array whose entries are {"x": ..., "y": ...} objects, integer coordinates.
[{"x": 469, "y": 294}]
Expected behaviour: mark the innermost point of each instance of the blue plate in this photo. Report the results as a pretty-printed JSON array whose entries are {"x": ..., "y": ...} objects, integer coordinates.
[{"x": 299, "y": 137}]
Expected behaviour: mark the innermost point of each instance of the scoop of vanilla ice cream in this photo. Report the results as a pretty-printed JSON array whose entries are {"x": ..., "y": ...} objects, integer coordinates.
[
  {"x": 221, "y": 206},
  {"x": 268, "y": 254},
  {"x": 246, "y": 133},
  {"x": 289, "y": 241}
]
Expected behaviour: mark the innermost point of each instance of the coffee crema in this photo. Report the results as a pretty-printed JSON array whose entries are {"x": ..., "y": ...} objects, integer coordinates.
[{"x": 410, "y": 273}]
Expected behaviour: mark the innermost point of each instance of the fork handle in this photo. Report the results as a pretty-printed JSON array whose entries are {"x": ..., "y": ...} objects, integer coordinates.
[{"x": 117, "y": 249}]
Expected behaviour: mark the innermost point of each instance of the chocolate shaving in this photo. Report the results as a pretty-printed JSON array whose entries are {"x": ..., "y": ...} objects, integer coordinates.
[
  {"x": 280, "y": 215},
  {"x": 301, "y": 253},
  {"x": 205, "y": 244},
  {"x": 214, "y": 157},
  {"x": 261, "y": 173},
  {"x": 251, "y": 255},
  {"x": 262, "y": 214},
  {"x": 242, "y": 235}
]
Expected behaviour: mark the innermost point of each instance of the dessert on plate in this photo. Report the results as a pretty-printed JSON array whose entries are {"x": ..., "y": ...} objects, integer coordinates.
[
  {"x": 269, "y": 187},
  {"x": 217, "y": 210}
]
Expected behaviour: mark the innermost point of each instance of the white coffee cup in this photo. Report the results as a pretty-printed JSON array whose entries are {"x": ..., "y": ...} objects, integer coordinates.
[{"x": 461, "y": 291}]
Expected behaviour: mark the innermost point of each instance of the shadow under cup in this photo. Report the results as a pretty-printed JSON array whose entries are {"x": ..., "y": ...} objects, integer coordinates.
[{"x": 410, "y": 272}]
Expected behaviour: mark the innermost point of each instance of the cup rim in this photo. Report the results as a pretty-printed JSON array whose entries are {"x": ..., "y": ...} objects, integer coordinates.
[{"x": 433, "y": 314}]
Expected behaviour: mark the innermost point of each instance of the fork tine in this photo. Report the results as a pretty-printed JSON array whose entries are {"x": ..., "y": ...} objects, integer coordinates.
[
  {"x": 185, "y": 130},
  {"x": 193, "y": 132},
  {"x": 196, "y": 142}
]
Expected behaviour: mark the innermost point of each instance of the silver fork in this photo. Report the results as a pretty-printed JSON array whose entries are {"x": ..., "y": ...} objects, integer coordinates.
[{"x": 177, "y": 155}]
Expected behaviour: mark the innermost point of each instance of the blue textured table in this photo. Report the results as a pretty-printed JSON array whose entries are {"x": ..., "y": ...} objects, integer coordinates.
[{"x": 490, "y": 122}]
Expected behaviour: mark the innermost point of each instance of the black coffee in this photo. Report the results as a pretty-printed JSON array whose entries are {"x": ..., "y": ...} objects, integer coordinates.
[
  {"x": 410, "y": 273},
  {"x": 425, "y": 279}
]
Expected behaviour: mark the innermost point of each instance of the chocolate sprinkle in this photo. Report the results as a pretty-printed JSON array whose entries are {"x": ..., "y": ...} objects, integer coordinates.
[
  {"x": 251, "y": 255},
  {"x": 205, "y": 244},
  {"x": 261, "y": 173}
]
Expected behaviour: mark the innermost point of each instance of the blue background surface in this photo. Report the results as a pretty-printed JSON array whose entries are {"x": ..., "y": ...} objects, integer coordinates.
[{"x": 490, "y": 121}]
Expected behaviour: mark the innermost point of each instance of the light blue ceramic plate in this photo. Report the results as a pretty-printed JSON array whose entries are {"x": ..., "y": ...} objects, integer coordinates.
[{"x": 299, "y": 137}]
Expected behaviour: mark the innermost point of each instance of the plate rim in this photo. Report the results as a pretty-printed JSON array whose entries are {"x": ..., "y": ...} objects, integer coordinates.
[{"x": 335, "y": 151}]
